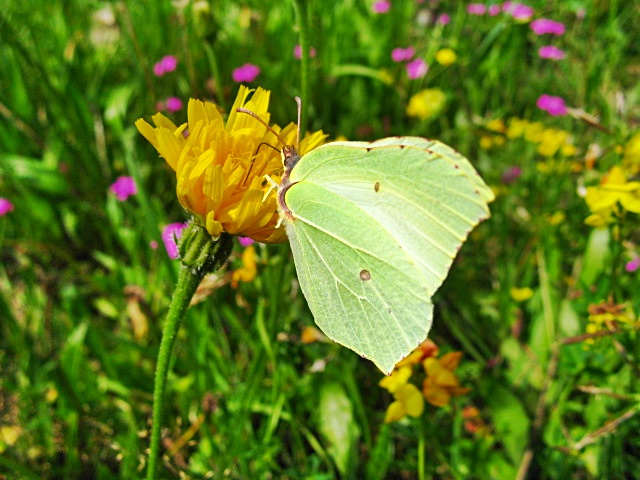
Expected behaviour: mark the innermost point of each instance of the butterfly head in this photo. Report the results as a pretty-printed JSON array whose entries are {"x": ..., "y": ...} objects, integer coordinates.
[{"x": 290, "y": 157}]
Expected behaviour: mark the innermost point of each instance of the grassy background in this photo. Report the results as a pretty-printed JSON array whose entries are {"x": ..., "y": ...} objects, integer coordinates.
[{"x": 246, "y": 398}]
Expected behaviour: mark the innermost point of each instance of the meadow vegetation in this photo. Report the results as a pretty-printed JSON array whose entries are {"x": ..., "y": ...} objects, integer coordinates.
[{"x": 533, "y": 362}]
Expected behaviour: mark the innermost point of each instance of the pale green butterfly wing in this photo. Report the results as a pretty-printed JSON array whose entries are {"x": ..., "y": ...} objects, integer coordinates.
[{"x": 375, "y": 228}]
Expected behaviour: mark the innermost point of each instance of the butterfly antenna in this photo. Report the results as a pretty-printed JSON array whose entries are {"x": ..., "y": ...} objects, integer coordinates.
[
  {"x": 249, "y": 112},
  {"x": 299, "y": 102}
]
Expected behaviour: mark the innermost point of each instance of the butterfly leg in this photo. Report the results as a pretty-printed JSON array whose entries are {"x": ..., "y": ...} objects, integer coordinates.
[{"x": 274, "y": 185}]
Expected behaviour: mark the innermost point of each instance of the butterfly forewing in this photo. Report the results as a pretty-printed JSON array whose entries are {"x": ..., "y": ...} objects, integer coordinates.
[{"x": 375, "y": 228}]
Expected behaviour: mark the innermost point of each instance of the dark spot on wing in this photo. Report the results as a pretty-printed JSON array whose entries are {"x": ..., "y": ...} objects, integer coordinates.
[
  {"x": 365, "y": 275},
  {"x": 376, "y": 186}
]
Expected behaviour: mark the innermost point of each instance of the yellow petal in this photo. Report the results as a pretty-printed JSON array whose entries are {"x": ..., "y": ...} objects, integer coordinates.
[
  {"x": 395, "y": 411},
  {"x": 397, "y": 379},
  {"x": 411, "y": 398},
  {"x": 451, "y": 360}
]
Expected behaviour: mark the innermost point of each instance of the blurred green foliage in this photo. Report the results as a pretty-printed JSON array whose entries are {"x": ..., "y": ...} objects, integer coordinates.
[{"x": 82, "y": 295}]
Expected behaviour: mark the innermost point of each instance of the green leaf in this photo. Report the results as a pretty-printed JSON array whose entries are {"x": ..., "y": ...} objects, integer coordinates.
[
  {"x": 510, "y": 420},
  {"x": 337, "y": 424}
]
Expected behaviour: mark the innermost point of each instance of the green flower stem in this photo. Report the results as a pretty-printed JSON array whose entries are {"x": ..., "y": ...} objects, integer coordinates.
[
  {"x": 300, "y": 7},
  {"x": 200, "y": 255},
  {"x": 187, "y": 284}
]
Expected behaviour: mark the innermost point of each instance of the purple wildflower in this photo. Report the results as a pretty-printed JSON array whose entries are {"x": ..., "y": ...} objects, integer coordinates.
[
  {"x": 5, "y": 206},
  {"x": 246, "y": 73},
  {"x": 246, "y": 241},
  {"x": 544, "y": 25},
  {"x": 632, "y": 265},
  {"x": 124, "y": 187},
  {"x": 553, "y": 105},
  {"x": 382, "y": 6},
  {"x": 511, "y": 174},
  {"x": 443, "y": 19},
  {"x": 476, "y": 9},
  {"x": 297, "y": 52},
  {"x": 167, "y": 64},
  {"x": 549, "y": 51},
  {"x": 402, "y": 54},
  {"x": 170, "y": 234},
  {"x": 173, "y": 104},
  {"x": 521, "y": 12},
  {"x": 417, "y": 68}
]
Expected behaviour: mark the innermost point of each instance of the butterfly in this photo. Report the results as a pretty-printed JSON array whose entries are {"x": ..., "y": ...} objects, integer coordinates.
[{"x": 374, "y": 228}]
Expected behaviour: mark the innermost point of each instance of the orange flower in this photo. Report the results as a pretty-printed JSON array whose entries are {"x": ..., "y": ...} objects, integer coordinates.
[
  {"x": 441, "y": 383},
  {"x": 426, "y": 349},
  {"x": 220, "y": 167},
  {"x": 473, "y": 422}
]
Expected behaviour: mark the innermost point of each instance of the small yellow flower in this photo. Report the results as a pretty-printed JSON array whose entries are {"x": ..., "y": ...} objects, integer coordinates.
[
  {"x": 521, "y": 294},
  {"x": 220, "y": 167},
  {"x": 631, "y": 158},
  {"x": 556, "y": 218},
  {"x": 486, "y": 142},
  {"x": 249, "y": 268},
  {"x": 312, "y": 334},
  {"x": 550, "y": 141},
  {"x": 441, "y": 383},
  {"x": 600, "y": 219},
  {"x": 568, "y": 150},
  {"x": 609, "y": 316},
  {"x": 446, "y": 56},
  {"x": 497, "y": 125},
  {"x": 516, "y": 128},
  {"x": 398, "y": 378},
  {"x": 426, "y": 103},
  {"x": 408, "y": 401},
  {"x": 533, "y": 132},
  {"x": 603, "y": 199}
]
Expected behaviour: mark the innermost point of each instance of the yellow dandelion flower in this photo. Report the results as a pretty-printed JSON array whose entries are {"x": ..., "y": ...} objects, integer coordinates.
[
  {"x": 426, "y": 103},
  {"x": 220, "y": 167},
  {"x": 446, "y": 56}
]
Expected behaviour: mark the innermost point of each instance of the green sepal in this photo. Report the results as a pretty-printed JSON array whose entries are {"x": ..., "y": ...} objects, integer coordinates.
[{"x": 200, "y": 251}]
